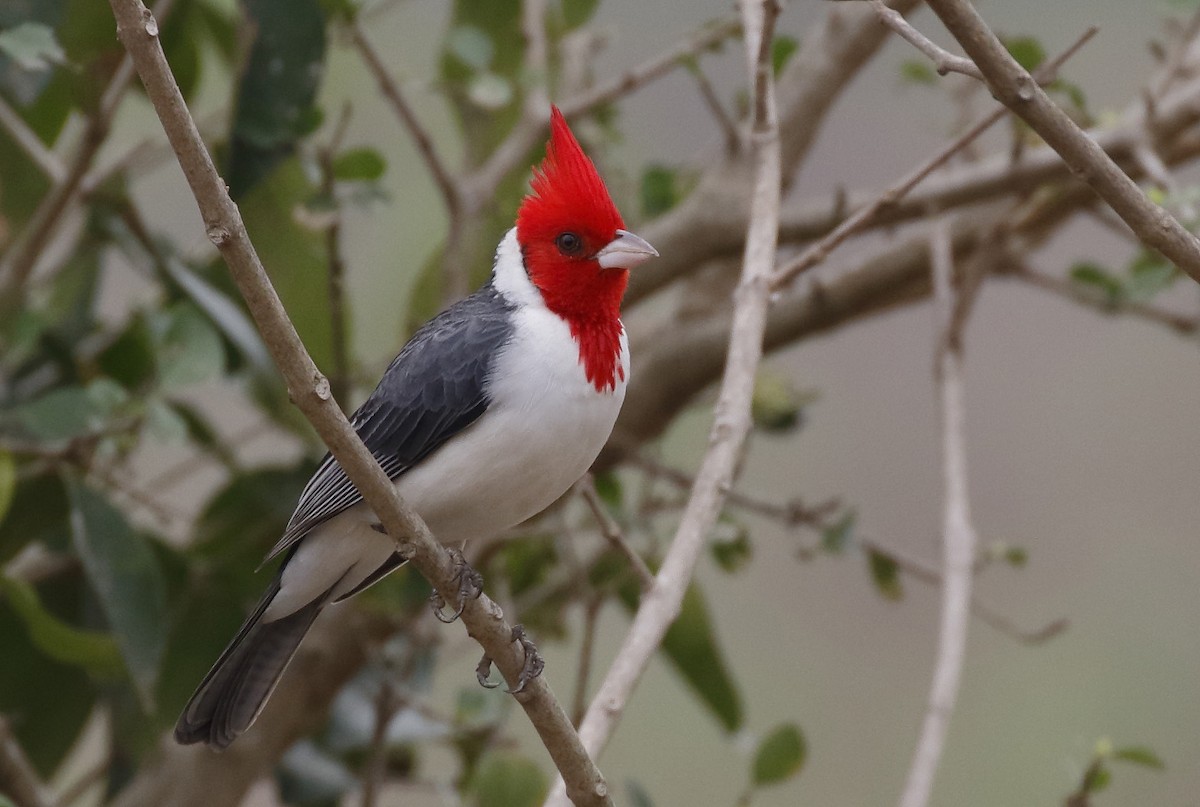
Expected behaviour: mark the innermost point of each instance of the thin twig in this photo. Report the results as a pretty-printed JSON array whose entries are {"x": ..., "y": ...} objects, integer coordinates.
[
  {"x": 958, "y": 534},
  {"x": 408, "y": 118},
  {"x": 863, "y": 217},
  {"x": 386, "y": 706},
  {"x": 339, "y": 377},
  {"x": 19, "y": 262},
  {"x": 943, "y": 60},
  {"x": 1181, "y": 323},
  {"x": 612, "y": 532},
  {"x": 729, "y": 130},
  {"x": 587, "y": 649},
  {"x": 45, "y": 159},
  {"x": 310, "y": 392},
  {"x": 1012, "y": 85},
  {"x": 660, "y": 606}
]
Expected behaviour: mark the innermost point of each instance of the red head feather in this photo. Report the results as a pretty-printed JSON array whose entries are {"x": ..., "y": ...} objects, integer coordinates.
[{"x": 569, "y": 198}]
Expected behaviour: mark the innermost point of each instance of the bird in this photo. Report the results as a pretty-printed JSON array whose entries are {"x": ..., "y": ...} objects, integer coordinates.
[{"x": 490, "y": 412}]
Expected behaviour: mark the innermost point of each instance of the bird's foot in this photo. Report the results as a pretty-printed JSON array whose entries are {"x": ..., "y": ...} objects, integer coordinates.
[
  {"x": 534, "y": 664},
  {"x": 470, "y": 586}
]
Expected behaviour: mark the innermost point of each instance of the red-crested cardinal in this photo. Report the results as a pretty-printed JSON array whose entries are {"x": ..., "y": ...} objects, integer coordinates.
[{"x": 492, "y": 411}]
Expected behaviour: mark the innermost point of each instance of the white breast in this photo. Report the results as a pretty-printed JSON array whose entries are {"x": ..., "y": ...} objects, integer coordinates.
[{"x": 545, "y": 426}]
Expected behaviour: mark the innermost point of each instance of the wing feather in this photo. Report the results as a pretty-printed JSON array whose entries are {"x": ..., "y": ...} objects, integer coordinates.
[{"x": 435, "y": 388}]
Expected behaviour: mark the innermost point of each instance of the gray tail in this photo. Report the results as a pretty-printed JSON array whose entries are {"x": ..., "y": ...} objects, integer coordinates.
[{"x": 235, "y": 690}]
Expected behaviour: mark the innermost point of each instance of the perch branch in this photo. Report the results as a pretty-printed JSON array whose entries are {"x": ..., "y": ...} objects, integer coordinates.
[{"x": 138, "y": 31}]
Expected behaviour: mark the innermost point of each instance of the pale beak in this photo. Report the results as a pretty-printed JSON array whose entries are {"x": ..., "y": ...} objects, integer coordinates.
[{"x": 625, "y": 251}]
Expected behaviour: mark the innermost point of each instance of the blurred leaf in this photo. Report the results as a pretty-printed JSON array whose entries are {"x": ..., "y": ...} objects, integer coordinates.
[
  {"x": 163, "y": 423},
  {"x": 91, "y": 650},
  {"x": 32, "y": 46},
  {"x": 1140, "y": 755},
  {"x": 638, "y": 797},
  {"x": 1027, "y": 50},
  {"x": 886, "y": 574},
  {"x": 37, "y": 514},
  {"x": 917, "y": 71},
  {"x": 608, "y": 488},
  {"x": 780, "y": 755},
  {"x": 1015, "y": 556},
  {"x": 578, "y": 12},
  {"x": 46, "y": 702},
  {"x": 730, "y": 544},
  {"x": 782, "y": 49},
  {"x": 659, "y": 191},
  {"x": 310, "y": 776},
  {"x": 8, "y": 482},
  {"x": 1100, "y": 779},
  {"x": 229, "y": 317},
  {"x": 776, "y": 406},
  {"x": 130, "y": 358},
  {"x": 278, "y": 88},
  {"x": 691, "y": 647},
  {"x": 837, "y": 536},
  {"x": 1099, "y": 280},
  {"x": 490, "y": 91},
  {"x": 359, "y": 165},
  {"x": 60, "y": 414},
  {"x": 528, "y": 561},
  {"x": 507, "y": 779},
  {"x": 191, "y": 350},
  {"x": 1150, "y": 274},
  {"x": 471, "y": 46},
  {"x": 124, "y": 573}
]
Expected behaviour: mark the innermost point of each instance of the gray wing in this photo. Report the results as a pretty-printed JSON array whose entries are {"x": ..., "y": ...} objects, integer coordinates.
[{"x": 432, "y": 390}]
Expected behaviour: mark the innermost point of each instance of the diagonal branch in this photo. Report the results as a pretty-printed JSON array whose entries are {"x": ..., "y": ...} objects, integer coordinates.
[
  {"x": 310, "y": 391},
  {"x": 660, "y": 606},
  {"x": 1012, "y": 85},
  {"x": 45, "y": 159},
  {"x": 943, "y": 60},
  {"x": 399, "y": 104},
  {"x": 958, "y": 534}
]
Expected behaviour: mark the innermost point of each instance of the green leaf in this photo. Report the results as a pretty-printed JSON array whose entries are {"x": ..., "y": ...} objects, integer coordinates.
[
  {"x": 91, "y": 650},
  {"x": 1015, "y": 556},
  {"x": 886, "y": 574},
  {"x": 837, "y": 536},
  {"x": 8, "y": 482},
  {"x": 638, "y": 796},
  {"x": 776, "y": 407},
  {"x": 1140, "y": 755},
  {"x": 782, "y": 49},
  {"x": 5, "y": 801},
  {"x": 278, "y": 88},
  {"x": 125, "y": 574},
  {"x": 780, "y": 755},
  {"x": 507, "y": 779},
  {"x": 917, "y": 71},
  {"x": 359, "y": 165},
  {"x": 310, "y": 775},
  {"x": 1149, "y": 274},
  {"x": 130, "y": 358},
  {"x": 471, "y": 46},
  {"x": 32, "y": 46},
  {"x": 609, "y": 489},
  {"x": 46, "y": 702},
  {"x": 691, "y": 647},
  {"x": 490, "y": 91},
  {"x": 659, "y": 190},
  {"x": 1027, "y": 50},
  {"x": 191, "y": 350},
  {"x": 37, "y": 513},
  {"x": 1097, "y": 279},
  {"x": 1100, "y": 779},
  {"x": 730, "y": 545},
  {"x": 578, "y": 12}
]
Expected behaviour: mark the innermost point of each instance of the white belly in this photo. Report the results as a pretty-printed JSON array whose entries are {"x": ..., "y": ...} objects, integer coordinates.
[{"x": 544, "y": 428}]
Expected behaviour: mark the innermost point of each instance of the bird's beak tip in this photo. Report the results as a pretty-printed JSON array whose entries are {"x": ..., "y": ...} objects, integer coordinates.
[{"x": 625, "y": 251}]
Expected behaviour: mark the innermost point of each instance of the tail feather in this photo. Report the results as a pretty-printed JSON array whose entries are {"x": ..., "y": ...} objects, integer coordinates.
[{"x": 235, "y": 690}]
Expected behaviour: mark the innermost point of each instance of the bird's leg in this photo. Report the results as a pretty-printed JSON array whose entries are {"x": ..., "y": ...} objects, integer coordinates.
[
  {"x": 534, "y": 663},
  {"x": 470, "y": 586}
]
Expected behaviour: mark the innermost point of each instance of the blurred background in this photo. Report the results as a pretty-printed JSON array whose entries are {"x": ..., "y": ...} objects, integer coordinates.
[{"x": 1082, "y": 448}]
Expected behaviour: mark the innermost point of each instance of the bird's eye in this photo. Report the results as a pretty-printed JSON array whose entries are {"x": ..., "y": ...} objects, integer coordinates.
[{"x": 569, "y": 243}]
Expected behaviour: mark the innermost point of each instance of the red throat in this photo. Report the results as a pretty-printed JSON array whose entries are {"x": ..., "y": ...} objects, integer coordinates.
[{"x": 570, "y": 197}]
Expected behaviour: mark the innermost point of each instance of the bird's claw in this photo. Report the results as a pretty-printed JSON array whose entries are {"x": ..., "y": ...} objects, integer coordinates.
[
  {"x": 470, "y": 586},
  {"x": 534, "y": 664}
]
